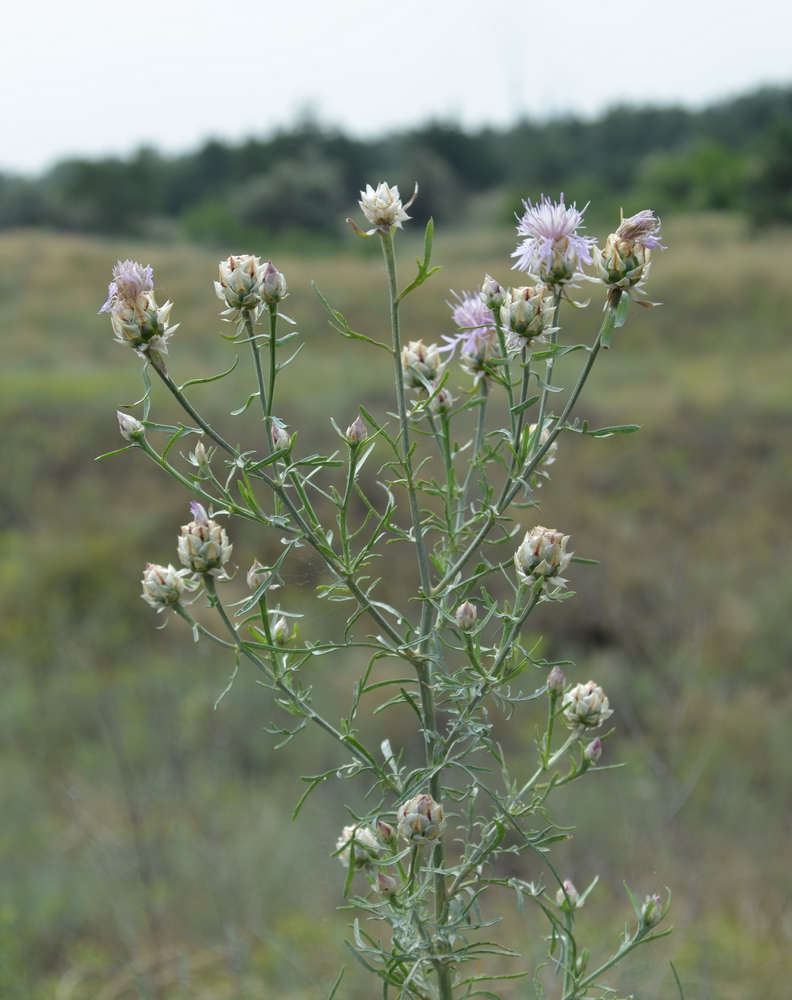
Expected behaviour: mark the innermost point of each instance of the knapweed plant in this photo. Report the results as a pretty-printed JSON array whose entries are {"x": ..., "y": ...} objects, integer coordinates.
[{"x": 447, "y": 816}]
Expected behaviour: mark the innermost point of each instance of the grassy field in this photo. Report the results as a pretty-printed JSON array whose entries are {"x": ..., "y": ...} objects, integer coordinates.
[{"x": 147, "y": 850}]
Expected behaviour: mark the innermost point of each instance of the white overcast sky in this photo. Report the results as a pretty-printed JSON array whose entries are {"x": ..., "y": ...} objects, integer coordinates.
[{"x": 95, "y": 77}]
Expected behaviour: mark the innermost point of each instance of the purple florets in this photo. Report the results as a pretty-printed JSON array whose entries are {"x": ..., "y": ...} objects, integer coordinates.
[
  {"x": 475, "y": 321},
  {"x": 552, "y": 249},
  {"x": 130, "y": 280}
]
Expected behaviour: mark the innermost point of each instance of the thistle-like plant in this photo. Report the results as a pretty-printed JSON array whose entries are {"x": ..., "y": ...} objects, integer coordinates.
[{"x": 446, "y": 809}]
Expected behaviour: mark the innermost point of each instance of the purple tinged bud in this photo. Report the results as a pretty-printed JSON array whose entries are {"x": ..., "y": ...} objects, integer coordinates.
[
  {"x": 273, "y": 286},
  {"x": 556, "y": 681},
  {"x": 131, "y": 429},
  {"x": 492, "y": 294},
  {"x": 652, "y": 911},
  {"x": 466, "y": 615},
  {"x": 442, "y": 402},
  {"x": 280, "y": 436},
  {"x": 568, "y": 898},
  {"x": 385, "y": 831},
  {"x": 593, "y": 751},
  {"x": 200, "y": 457},
  {"x": 255, "y": 575},
  {"x": 387, "y": 886},
  {"x": 357, "y": 432},
  {"x": 281, "y": 633}
]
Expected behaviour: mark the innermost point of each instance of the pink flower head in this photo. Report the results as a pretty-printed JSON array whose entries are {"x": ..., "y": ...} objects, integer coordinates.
[
  {"x": 130, "y": 280},
  {"x": 475, "y": 321},
  {"x": 552, "y": 249}
]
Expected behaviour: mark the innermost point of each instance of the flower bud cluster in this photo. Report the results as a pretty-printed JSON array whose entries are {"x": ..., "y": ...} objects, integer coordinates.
[
  {"x": 421, "y": 820},
  {"x": 136, "y": 318},
  {"x": 203, "y": 546},
  {"x": 543, "y": 556},
  {"x": 568, "y": 897},
  {"x": 585, "y": 706},
  {"x": 245, "y": 283}
]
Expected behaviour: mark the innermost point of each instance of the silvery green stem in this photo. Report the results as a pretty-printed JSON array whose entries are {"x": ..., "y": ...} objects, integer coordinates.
[
  {"x": 424, "y": 666},
  {"x": 265, "y": 398},
  {"x": 510, "y": 494},
  {"x": 284, "y": 689},
  {"x": 404, "y": 425},
  {"x": 552, "y": 337},
  {"x": 185, "y": 405},
  {"x": 481, "y": 425}
]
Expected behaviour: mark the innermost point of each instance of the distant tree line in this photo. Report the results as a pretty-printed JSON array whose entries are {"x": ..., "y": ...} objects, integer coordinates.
[{"x": 735, "y": 156}]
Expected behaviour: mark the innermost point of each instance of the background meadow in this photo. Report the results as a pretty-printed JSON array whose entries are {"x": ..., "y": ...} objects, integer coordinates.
[{"x": 147, "y": 848}]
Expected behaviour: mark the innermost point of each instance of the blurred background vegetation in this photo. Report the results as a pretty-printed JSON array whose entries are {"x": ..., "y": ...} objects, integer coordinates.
[{"x": 147, "y": 850}]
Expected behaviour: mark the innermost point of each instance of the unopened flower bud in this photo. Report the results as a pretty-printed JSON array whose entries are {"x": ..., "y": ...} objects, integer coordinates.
[
  {"x": 543, "y": 555},
  {"x": 385, "y": 831},
  {"x": 585, "y": 706},
  {"x": 131, "y": 429},
  {"x": 199, "y": 457},
  {"x": 593, "y": 751},
  {"x": 240, "y": 283},
  {"x": 568, "y": 897},
  {"x": 421, "y": 820},
  {"x": 442, "y": 402},
  {"x": 652, "y": 911},
  {"x": 359, "y": 842},
  {"x": 492, "y": 294},
  {"x": 466, "y": 615},
  {"x": 273, "y": 284},
  {"x": 357, "y": 431},
  {"x": 281, "y": 633},
  {"x": 528, "y": 312},
  {"x": 280, "y": 436},
  {"x": 383, "y": 207},
  {"x": 421, "y": 363},
  {"x": 387, "y": 886},
  {"x": 163, "y": 586},
  {"x": 203, "y": 546},
  {"x": 255, "y": 575},
  {"x": 556, "y": 681}
]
